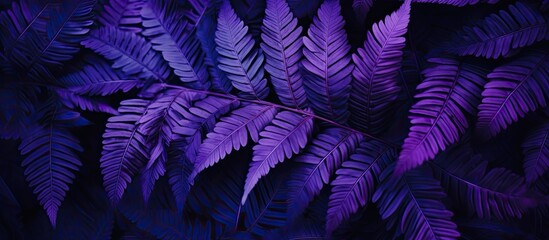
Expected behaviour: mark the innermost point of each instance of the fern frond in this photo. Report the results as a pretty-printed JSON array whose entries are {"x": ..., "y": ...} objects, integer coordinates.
[
  {"x": 231, "y": 133},
  {"x": 328, "y": 64},
  {"x": 237, "y": 57},
  {"x": 321, "y": 159},
  {"x": 282, "y": 45},
  {"x": 287, "y": 134}
]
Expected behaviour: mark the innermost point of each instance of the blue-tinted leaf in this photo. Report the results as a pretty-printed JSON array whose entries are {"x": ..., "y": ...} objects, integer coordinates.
[
  {"x": 51, "y": 159},
  {"x": 536, "y": 153},
  {"x": 513, "y": 90},
  {"x": 328, "y": 64},
  {"x": 237, "y": 57},
  {"x": 496, "y": 35},
  {"x": 125, "y": 149},
  {"x": 413, "y": 203},
  {"x": 282, "y": 45},
  {"x": 354, "y": 185},
  {"x": 374, "y": 85},
  {"x": 231, "y": 133},
  {"x": 168, "y": 34},
  {"x": 287, "y": 134},
  {"x": 321, "y": 159},
  {"x": 96, "y": 77},
  {"x": 497, "y": 192},
  {"x": 449, "y": 92},
  {"x": 129, "y": 53},
  {"x": 72, "y": 101},
  {"x": 123, "y": 14}
]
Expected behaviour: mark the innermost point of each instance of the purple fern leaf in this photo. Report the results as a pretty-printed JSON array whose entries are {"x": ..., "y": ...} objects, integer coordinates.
[
  {"x": 282, "y": 45},
  {"x": 51, "y": 159},
  {"x": 496, "y": 35},
  {"x": 354, "y": 184},
  {"x": 168, "y": 34},
  {"x": 536, "y": 153},
  {"x": 72, "y": 101},
  {"x": 375, "y": 84},
  {"x": 97, "y": 78},
  {"x": 488, "y": 193},
  {"x": 123, "y": 14},
  {"x": 449, "y": 92},
  {"x": 237, "y": 57},
  {"x": 414, "y": 203},
  {"x": 327, "y": 63},
  {"x": 513, "y": 90},
  {"x": 316, "y": 166},
  {"x": 125, "y": 150},
  {"x": 129, "y": 53},
  {"x": 285, "y": 136},
  {"x": 231, "y": 133}
]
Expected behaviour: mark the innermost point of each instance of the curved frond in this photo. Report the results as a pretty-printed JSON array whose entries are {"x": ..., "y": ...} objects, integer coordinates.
[
  {"x": 125, "y": 149},
  {"x": 321, "y": 159},
  {"x": 495, "y": 36},
  {"x": 513, "y": 90},
  {"x": 18, "y": 21},
  {"x": 282, "y": 45},
  {"x": 354, "y": 185},
  {"x": 96, "y": 77},
  {"x": 413, "y": 202},
  {"x": 163, "y": 114},
  {"x": 168, "y": 34},
  {"x": 536, "y": 153},
  {"x": 129, "y": 53},
  {"x": 266, "y": 207},
  {"x": 51, "y": 159},
  {"x": 197, "y": 121},
  {"x": 231, "y": 133},
  {"x": 287, "y": 134},
  {"x": 497, "y": 192},
  {"x": 72, "y": 101},
  {"x": 237, "y": 57},
  {"x": 123, "y": 14},
  {"x": 327, "y": 63},
  {"x": 450, "y": 90},
  {"x": 375, "y": 84}
]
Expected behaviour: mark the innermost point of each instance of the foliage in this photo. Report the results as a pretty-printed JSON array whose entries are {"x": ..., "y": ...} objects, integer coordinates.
[{"x": 274, "y": 119}]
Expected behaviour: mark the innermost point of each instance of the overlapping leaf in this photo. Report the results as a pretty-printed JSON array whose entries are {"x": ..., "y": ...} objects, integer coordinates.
[
  {"x": 488, "y": 193},
  {"x": 237, "y": 57},
  {"x": 96, "y": 77},
  {"x": 282, "y": 45},
  {"x": 287, "y": 134},
  {"x": 536, "y": 153},
  {"x": 125, "y": 150},
  {"x": 513, "y": 90},
  {"x": 129, "y": 53},
  {"x": 321, "y": 159},
  {"x": 495, "y": 36},
  {"x": 354, "y": 185},
  {"x": 168, "y": 34},
  {"x": 413, "y": 204},
  {"x": 450, "y": 90},
  {"x": 374, "y": 85},
  {"x": 232, "y": 132},
  {"x": 123, "y": 14},
  {"x": 327, "y": 63},
  {"x": 51, "y": 158}
]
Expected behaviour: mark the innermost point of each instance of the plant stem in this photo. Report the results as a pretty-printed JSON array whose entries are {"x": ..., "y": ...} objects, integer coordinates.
[{"x": 303, "y": 112}]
